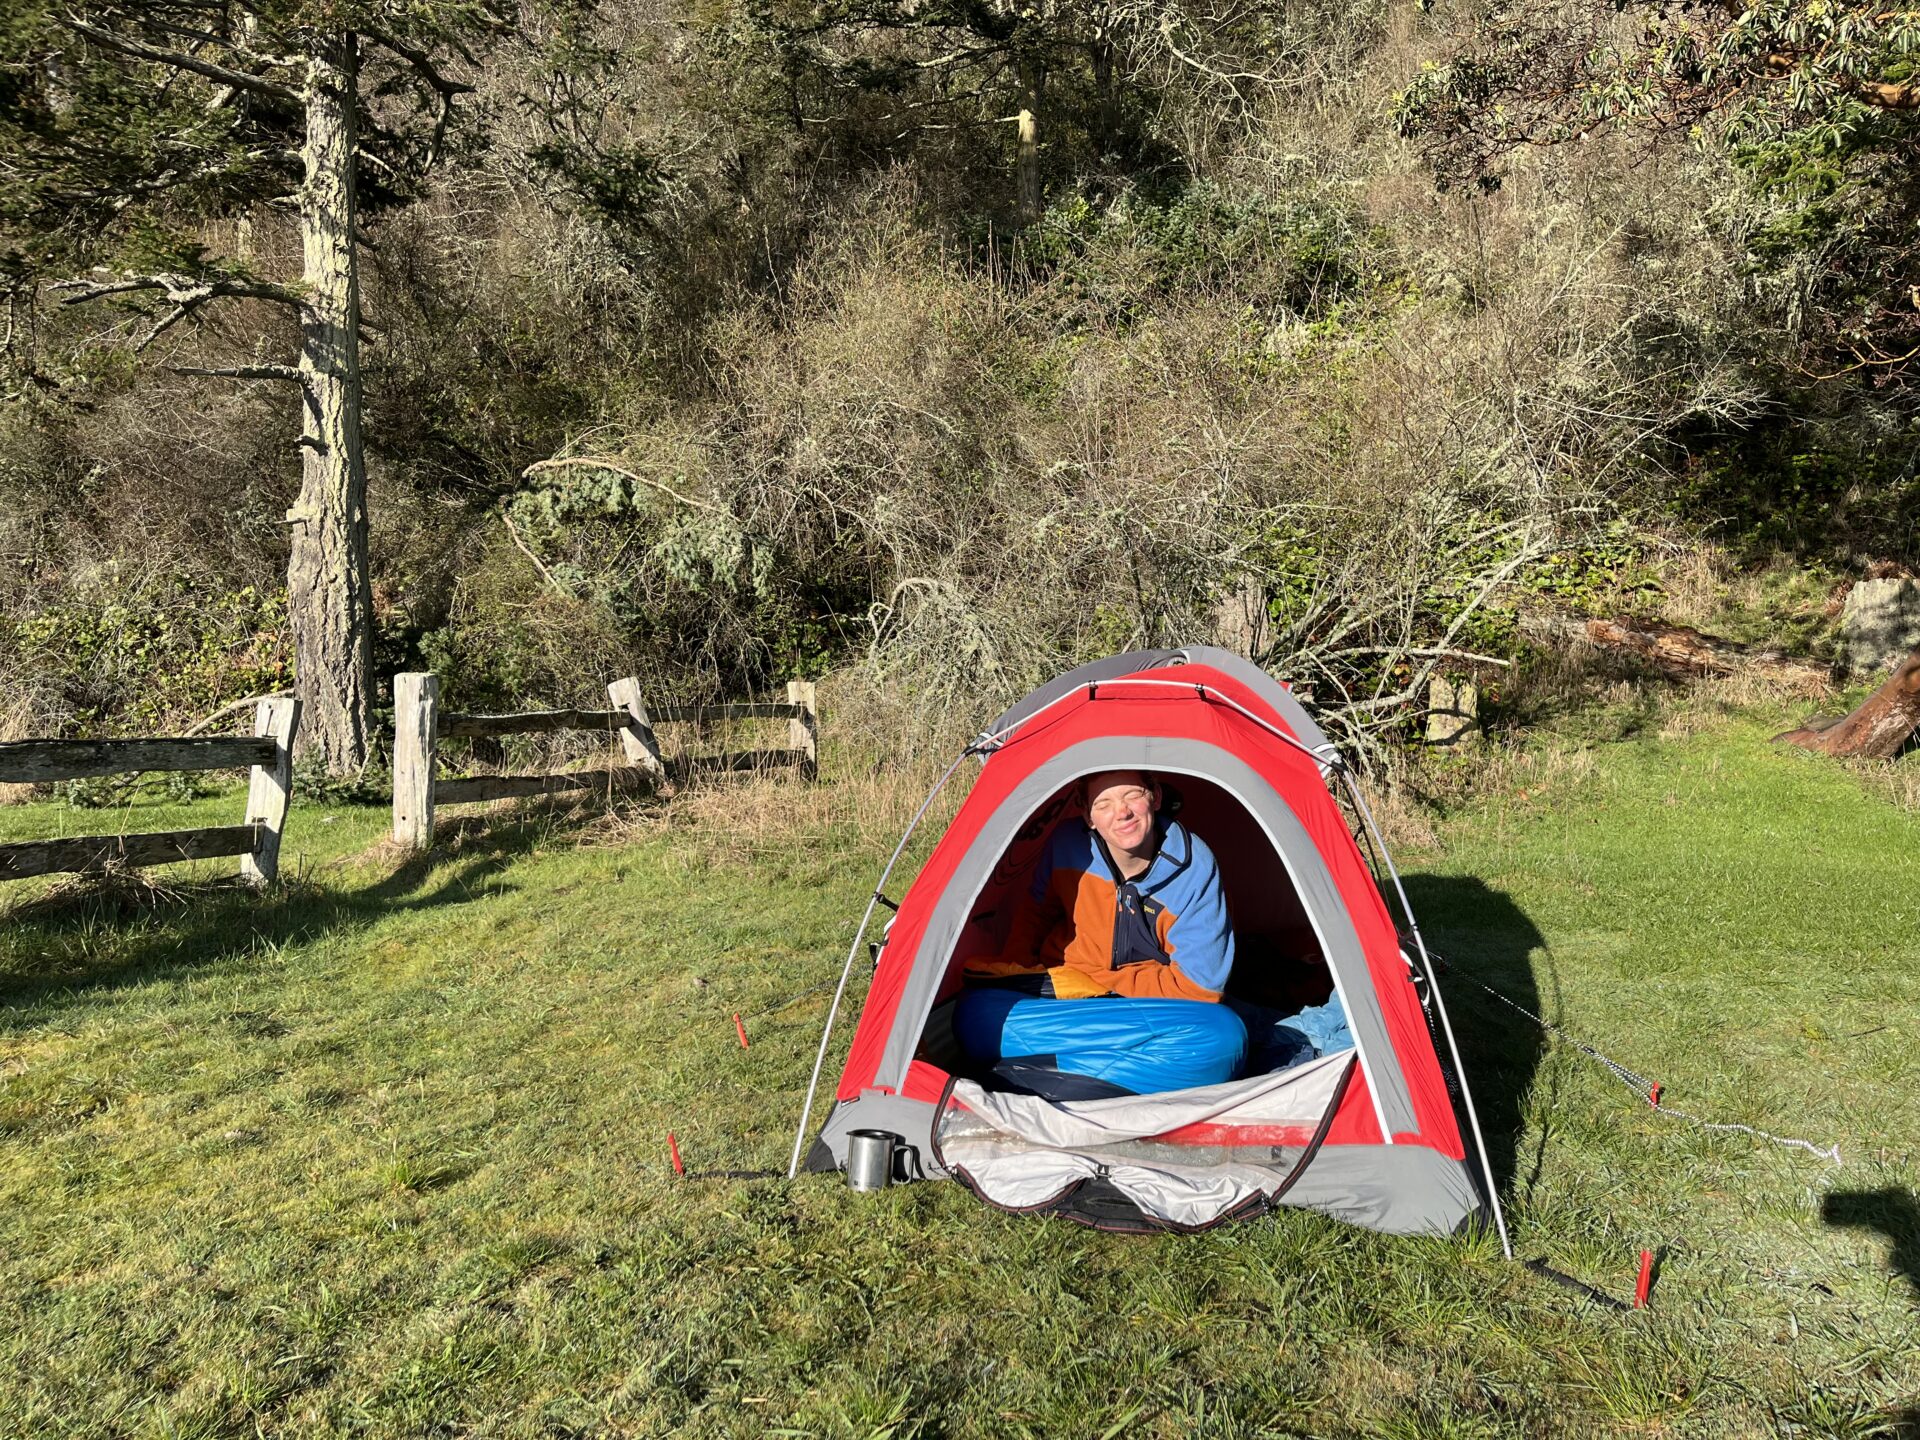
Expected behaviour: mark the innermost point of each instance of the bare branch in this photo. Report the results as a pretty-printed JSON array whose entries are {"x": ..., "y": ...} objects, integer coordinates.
[
  {"x": 367, "y": 156},
  {"x": 221, "y": 74},
  {"x": 1193, "y": 62},
  {"x": 422, "y": 62},
  {"x": 513, "y": 534},
  {"x": 446, "y": 88},
  {"x": 1890, "y": 95},
  {"x": 161, "y": 326},
  {"x": 186, "y": 291},
  {"x": 1432, "y": 653},
  {"x": 287, "y": 373}
]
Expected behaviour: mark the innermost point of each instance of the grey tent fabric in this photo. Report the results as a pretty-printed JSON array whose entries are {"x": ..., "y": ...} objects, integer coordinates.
[
  {"x": 1305, "y": 728},
  {"x": 1398, "y": 1189},
  {"x": 1092, "y": 673},
  {"x": 911, "y": 1120}
]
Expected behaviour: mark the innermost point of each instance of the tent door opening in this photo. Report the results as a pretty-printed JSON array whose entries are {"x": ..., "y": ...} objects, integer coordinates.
[
  {"x": 1184, "y": 1161},
  {"x": 1278, "y": 962}
]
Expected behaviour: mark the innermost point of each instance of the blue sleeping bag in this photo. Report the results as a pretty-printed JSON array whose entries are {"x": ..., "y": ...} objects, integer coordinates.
[
  {"x": 1091, "y": 1049},
  {"x": 1278, "y": 1039}
]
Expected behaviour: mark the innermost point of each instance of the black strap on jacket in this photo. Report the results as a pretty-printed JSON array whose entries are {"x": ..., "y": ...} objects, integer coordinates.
[{"x": 1136, "y": 914}]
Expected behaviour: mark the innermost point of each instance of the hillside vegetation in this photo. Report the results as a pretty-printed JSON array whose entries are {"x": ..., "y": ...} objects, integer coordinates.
[
  {"x": 728, "y": 343},
  {"x": 927, "y": 348}
]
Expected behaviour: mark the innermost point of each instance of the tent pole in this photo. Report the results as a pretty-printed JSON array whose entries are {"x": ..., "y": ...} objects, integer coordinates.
[
  {"x": 1433, "y": 987},
  {"x": 846, "y": 973}
]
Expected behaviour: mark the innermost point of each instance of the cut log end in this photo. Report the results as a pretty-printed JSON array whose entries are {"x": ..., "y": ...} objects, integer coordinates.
[{"x": 1879, "y": 729}]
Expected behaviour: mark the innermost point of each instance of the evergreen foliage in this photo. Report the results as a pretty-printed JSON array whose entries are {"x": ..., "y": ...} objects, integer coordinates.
[{"x": 1816, "y": 101}]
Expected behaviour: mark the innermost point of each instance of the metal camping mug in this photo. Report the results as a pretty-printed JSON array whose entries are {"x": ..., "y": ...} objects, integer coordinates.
[{"x": 870, "y": 1159}]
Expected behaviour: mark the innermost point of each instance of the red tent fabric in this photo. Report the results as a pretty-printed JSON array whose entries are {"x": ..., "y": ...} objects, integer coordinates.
[{"x": 1256, "y": 773}]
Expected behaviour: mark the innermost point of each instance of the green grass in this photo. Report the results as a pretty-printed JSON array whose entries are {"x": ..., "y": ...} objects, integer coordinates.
[{"x": 384, "y": 1153}]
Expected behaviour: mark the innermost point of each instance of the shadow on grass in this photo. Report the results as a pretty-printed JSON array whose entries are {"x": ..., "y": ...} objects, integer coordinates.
[
  {"x": 1895, "y": 1213},
  {"x": 100, "y": 935},
  {"x": 1483, "y": 936}
]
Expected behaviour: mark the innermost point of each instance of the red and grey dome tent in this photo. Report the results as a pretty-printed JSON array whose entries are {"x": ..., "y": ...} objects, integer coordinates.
[{"x": 1382, "y": 1135}]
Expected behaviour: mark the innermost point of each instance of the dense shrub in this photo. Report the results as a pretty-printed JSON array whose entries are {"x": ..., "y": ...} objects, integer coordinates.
[
  {"x": 819, "y": 401},
  {"x": 117, "y": 653}
]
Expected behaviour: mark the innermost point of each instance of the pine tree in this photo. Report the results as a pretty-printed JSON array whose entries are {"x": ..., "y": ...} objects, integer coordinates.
[{"x": 128, "y": 125}]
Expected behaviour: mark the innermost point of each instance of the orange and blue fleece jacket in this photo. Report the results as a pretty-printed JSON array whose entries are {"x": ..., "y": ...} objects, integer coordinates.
[{"x": 1082, "y": 931}]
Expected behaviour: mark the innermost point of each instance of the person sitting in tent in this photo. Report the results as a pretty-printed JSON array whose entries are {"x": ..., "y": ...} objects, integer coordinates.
[{"x": 1115, "y": 962}]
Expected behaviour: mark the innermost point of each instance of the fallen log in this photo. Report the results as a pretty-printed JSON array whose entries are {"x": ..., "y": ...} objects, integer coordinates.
[
  {"x": 1879, "y": 729},
  {"x": 1677, "y": 651}
]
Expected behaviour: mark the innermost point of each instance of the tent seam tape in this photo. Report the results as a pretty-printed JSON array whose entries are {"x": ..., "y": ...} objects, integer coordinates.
[{"x": 1206, "y": 692}]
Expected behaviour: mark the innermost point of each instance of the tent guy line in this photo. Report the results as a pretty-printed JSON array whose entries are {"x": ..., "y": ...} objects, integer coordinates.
[
  {"x": 1433, "y": 989},
  {"x": 1647, "y": 1090},
  {"x": 859, "y": 934}
]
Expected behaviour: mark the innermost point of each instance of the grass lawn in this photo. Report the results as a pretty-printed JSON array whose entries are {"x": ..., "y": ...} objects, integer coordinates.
[{"x": 384, "y": 1153}]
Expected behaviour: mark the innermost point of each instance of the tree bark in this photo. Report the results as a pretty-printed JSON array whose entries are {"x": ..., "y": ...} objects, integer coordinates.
[
  {"x": 1107, "y": 110},
  {"x": 328, "y": 596},
  {"x": 1877, "y": 730},
  {"x": 1027, "y": 159}
]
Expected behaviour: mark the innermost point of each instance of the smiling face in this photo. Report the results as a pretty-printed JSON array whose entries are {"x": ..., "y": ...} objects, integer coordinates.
[{"x": 1120, "y": 808}]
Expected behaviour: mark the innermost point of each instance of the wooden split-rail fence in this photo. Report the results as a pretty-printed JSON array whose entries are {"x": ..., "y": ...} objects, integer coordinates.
[
  {"x": 420, "y": 725},
  {"x": 268, "y": 751}
]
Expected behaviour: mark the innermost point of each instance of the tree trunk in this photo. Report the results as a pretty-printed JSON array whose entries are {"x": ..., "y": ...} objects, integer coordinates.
[
  {"x": 1107, "y": 110},
  {"x": 328, "y": 596},
  {"x": 1879, "y": 728},
  {"x": 1676, "y": 651},
  {"x": 1027, "y": 161}
]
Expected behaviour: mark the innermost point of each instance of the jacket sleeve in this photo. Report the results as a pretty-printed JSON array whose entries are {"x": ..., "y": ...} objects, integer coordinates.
[{"x": 1149, "y": 981}]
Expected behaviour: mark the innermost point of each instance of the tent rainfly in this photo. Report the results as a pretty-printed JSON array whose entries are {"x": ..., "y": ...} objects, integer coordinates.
[{"x": 1382, "y": 1135}]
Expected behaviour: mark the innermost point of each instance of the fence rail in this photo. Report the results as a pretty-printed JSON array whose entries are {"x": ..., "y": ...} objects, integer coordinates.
[
  {"x": 420, "y": 725},
  {"x": 511, "y": 787},
  {"x": 149, "y": 847},
  {"x": 758, "y": 710},
  {"x": 38, "y": 762},
  {"x": 268, "y": 752},
  {"x": 534, "y": 722}
]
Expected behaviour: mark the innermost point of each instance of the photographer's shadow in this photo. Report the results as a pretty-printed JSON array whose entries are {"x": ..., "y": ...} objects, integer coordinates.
[
  {"x": 1895, "y": 1213},
  {"x": 1479, "y": 935}
]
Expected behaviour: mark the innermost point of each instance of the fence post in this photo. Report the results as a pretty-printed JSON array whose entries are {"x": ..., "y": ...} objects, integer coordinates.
[
  {"x": 1453, "y": 711},
  {"x": 269, "y": 788},
  {"x": 642, "y": 746},
  {"x": 416, "y": 709},
  {"x": 804, "y": 734}
]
